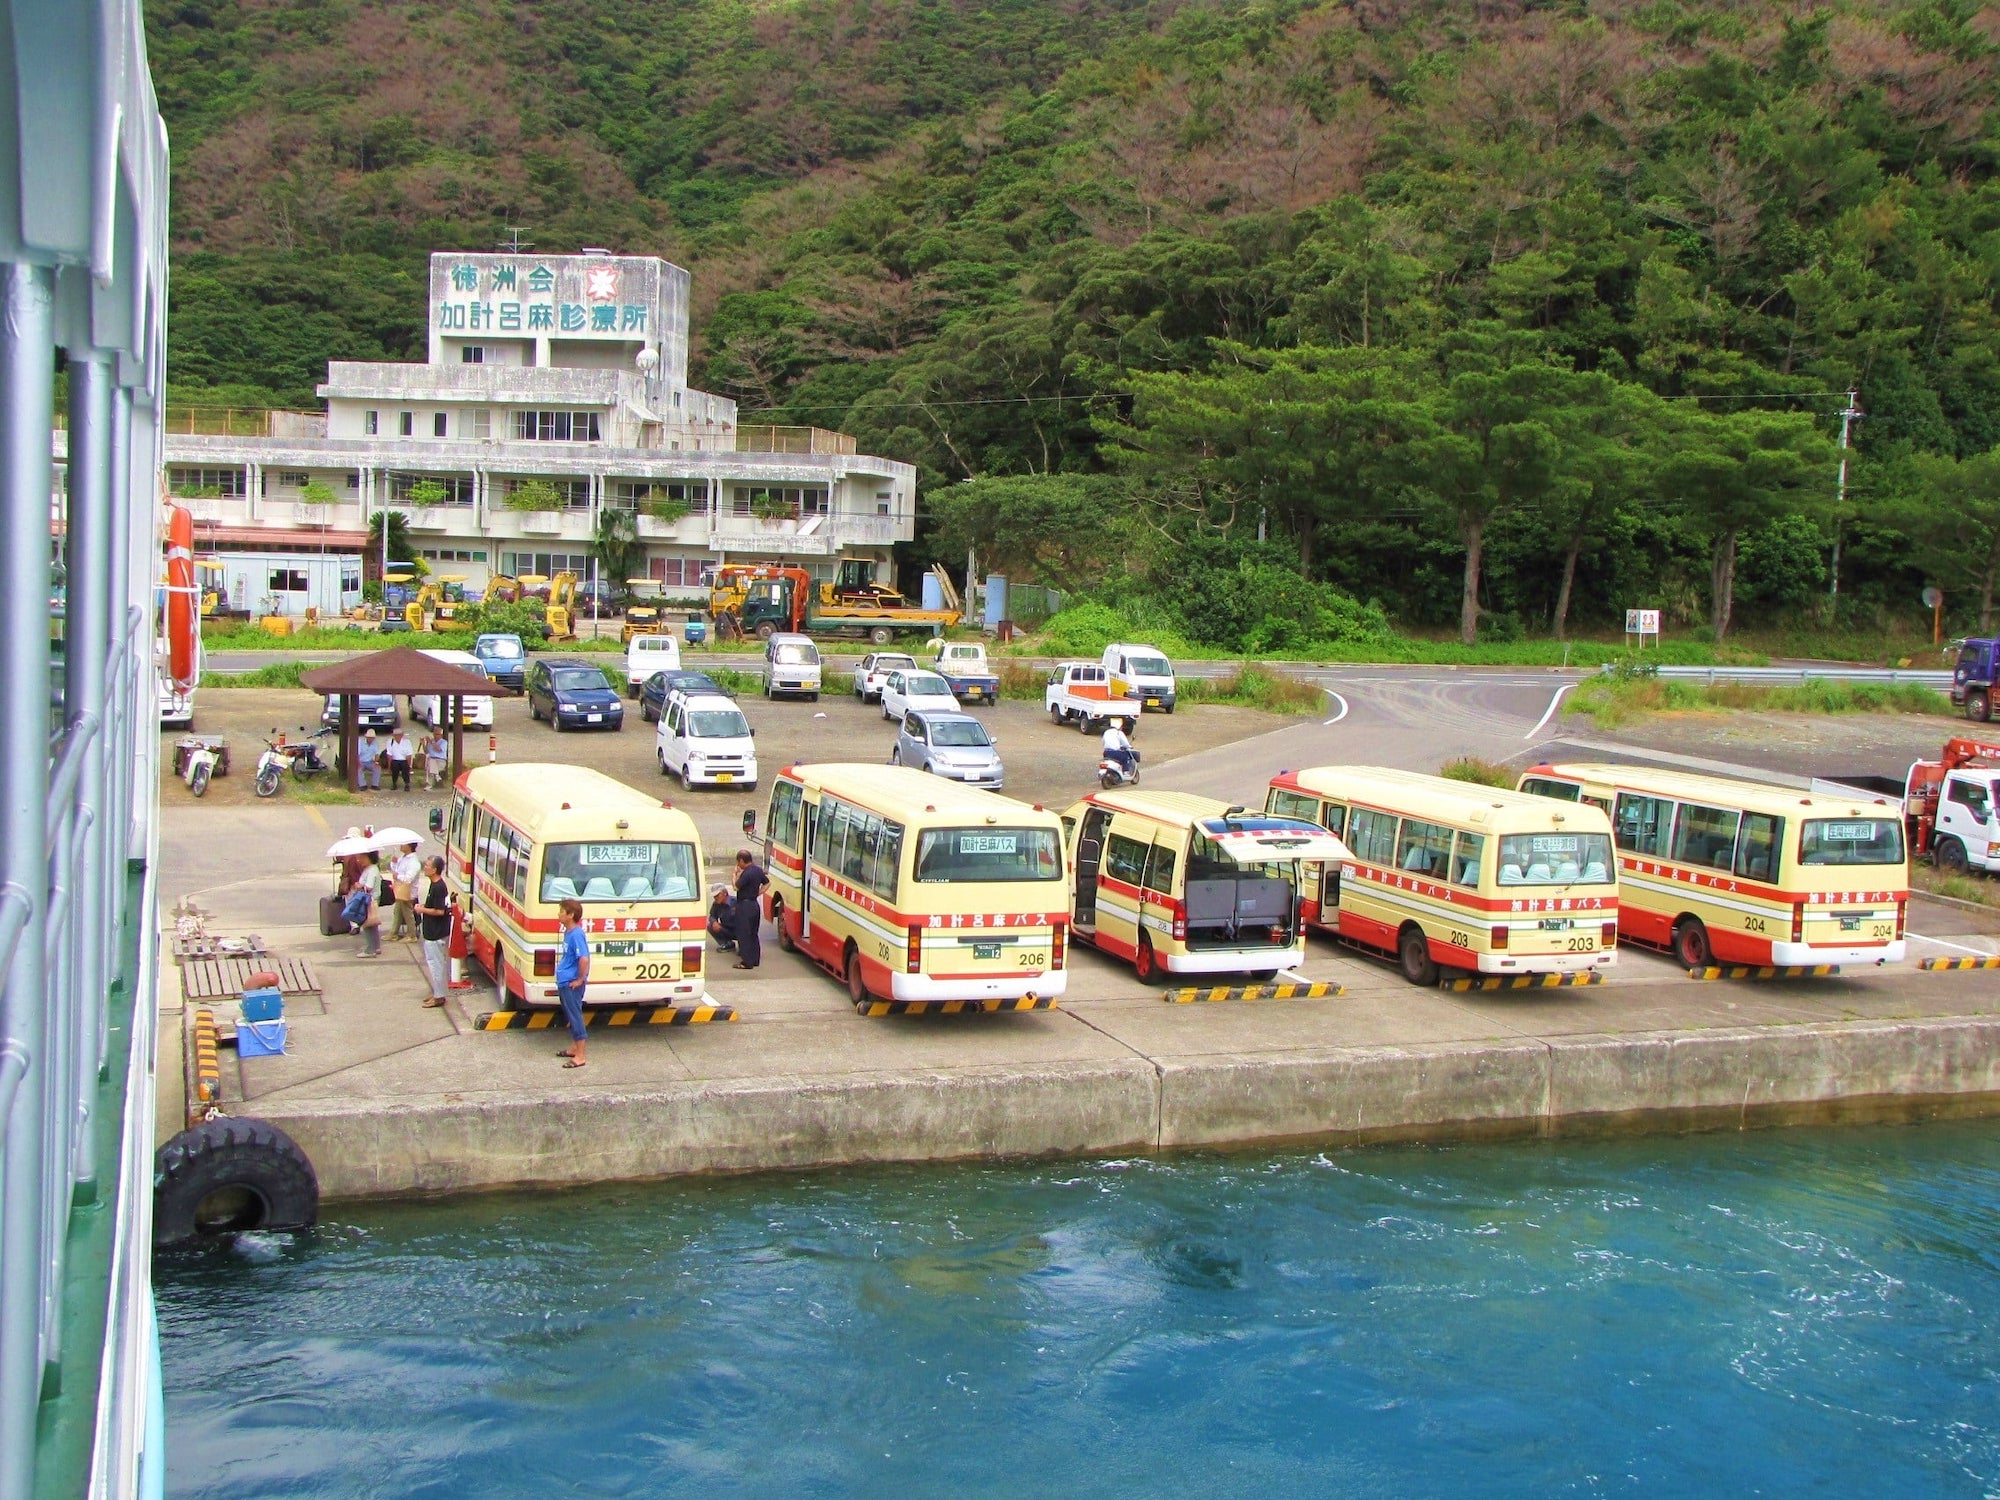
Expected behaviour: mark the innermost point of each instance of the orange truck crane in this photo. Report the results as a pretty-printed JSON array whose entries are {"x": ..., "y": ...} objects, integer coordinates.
[
  {"x": 765, "y": 599},
  {"x": 1948, "y": 804}
]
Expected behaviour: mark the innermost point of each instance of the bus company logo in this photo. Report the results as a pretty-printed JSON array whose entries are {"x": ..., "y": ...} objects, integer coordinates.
[
  {"x": 638, "y": 924},
  {"x": 996, "y": 919},
  {"x": 1560, "y": 903}
]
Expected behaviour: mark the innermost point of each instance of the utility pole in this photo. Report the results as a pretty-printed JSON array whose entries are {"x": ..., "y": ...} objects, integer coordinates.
[{"x": 1849, "y": 415}]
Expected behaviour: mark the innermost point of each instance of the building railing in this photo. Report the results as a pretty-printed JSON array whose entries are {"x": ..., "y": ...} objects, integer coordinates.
[{"x": 792, "y": 440}]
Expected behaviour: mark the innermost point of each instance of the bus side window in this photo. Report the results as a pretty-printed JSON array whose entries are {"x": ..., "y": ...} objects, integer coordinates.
[
  {"x": 1333, "y": 818},
  {"x": 785, "y": 799},
  {"x": 1642, "y": 824},
  {"x": 1373, "y": 836},
  {"x": 1466, "y": 861},
  {"x": 461, "y": 816},
  {"x": 1288, "y": 804},
  {"x": 1602, "y": 804},
  {"x": 1160, "y": 868},
  {"x": 1125, "y": 860},
  {"x": 1757, "y": 851},
  {"x": 1706, "y": 836},
  {"x": 1562, "y": 791}
]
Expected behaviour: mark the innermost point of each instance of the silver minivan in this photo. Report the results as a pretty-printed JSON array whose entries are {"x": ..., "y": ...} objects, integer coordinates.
[
  {"x": 952, "y": 745},
  {"x": 791, "y": 667}
]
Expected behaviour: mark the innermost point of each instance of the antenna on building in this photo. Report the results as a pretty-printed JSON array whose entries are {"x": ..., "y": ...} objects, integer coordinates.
[{"x": 513, "y": 244}]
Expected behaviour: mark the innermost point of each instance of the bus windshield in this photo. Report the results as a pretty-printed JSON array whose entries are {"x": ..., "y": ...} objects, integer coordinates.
[
  {"x": 1000, "y": 854},
  {"x": 1851, "y": 841},
  {"x": 1554, "y": 858},
  {"x": 619, "y": 870}
]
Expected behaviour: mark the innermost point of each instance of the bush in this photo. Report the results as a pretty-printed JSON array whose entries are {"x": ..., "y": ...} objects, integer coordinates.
[
  {"x": 525, "y": 619},
  {"x": 1479, "y": 772}
]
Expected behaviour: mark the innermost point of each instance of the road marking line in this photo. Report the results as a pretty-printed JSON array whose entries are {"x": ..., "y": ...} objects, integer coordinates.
[
  {"x": 1549, "y": 712},
  {"x": 318, "y": 817},
  {"x": 1976, "y": 952},
  {"x": 1294, "y": 975},
  {"x": 1337, "y": 699}
]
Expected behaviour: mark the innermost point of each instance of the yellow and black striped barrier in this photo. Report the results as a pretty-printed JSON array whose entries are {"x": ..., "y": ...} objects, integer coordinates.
[
  {"x": 207, "y": 1062},
  {"x": 1525, "y": 981},
  {"x": 1318, "y": 989},
  {"x": 1766, "y": 971},
  {"x": 874, "y": 1007},
  {"x": 597, "y": 1020},
  {"x": 1936, "y": 965}
]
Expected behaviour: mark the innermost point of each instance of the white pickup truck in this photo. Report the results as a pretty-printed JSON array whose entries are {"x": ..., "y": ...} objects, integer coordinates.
[
  {"x": 963, "y": 664},
  {"x": 1080, "y": 693}
]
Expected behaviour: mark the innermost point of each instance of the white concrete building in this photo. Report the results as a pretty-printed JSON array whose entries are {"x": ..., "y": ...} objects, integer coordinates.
[{"x": 567, "y": 371}]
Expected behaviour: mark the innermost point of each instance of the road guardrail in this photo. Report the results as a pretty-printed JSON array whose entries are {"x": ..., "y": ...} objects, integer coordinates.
[{"x": 1832, "y": 673}]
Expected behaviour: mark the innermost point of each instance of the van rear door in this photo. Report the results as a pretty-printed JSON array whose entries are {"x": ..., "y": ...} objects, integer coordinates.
[{"x": 1257, "y": 839}]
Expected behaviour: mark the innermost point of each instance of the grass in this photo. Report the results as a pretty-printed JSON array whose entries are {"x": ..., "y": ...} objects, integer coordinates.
[
  {"x": 1253, "y": 686},
  {"x": 1480, "y": 772},
  {"x": 279, "y": 674},
  {"x": 1417, "y": 651},
  {"x": 320, "y": 796},
  {"x": 1610, "y": 702},
  {"x": 1927, "y": 877}
]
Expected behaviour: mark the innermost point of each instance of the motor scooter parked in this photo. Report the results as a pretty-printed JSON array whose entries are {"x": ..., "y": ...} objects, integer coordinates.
[
  {"x": 198, "y": 758},
  {"x": 302, "y": 757}
]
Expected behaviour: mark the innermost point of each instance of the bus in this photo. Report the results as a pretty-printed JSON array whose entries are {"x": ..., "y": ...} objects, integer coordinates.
[
  {"x": 1181, "y": 884},
  {"x": 917, "y": 890},
  {"x": 522, "y": 838},
  {"x": 1449, "y": 874},
  {"x": 1718, "y": 870}
]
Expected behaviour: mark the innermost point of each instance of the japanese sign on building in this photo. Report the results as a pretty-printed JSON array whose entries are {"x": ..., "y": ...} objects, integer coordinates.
[{"x": 628, "y": 298}]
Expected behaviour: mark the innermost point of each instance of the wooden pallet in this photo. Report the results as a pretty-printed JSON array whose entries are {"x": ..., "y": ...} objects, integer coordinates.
[
  {"x": 226, "y": 978},
  {"x": 185, "y": 948}
]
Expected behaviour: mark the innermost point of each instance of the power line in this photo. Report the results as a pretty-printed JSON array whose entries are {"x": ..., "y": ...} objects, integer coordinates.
[{"x": 1120, "y": 395}]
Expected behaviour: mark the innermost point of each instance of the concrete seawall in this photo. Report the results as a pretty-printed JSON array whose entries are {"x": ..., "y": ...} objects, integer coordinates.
[{"x": 1559, "y": 1085}]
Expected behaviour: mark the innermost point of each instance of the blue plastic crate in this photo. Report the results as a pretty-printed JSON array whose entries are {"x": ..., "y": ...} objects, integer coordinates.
[
  {"x": 263, "y": 1005},
  {"x": 260, "y": 1039}
]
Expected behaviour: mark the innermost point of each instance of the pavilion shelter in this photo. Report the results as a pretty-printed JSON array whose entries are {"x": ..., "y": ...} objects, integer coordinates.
[{"x": 402, "y": 671}]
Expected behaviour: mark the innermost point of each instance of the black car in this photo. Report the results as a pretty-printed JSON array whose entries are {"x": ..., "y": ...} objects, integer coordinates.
[
  {"x": 653, "y": 696},
  {"x": 573, "y": 694},
  {"x": 373, "y": 711}
]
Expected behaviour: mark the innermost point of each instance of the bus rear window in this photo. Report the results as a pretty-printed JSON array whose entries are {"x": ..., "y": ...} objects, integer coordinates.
[
  {"x": 1851, "y": 841},
  {"x": 1554, "y": 859},
  {"x": 619, "y": 870},
  {"x": 1002, "y": 854},
  {"x": 1542, "y": 786}
]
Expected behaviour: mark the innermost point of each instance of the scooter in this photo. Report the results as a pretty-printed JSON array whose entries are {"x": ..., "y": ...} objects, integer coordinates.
[
  {"x": 1110, "y": 774},
  {"x": 202, "y": 759},
  {"x": 302, "y": 756}
]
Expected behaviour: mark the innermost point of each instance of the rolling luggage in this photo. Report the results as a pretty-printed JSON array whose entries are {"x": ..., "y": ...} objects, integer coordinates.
[{"x": 331, "y": 922}]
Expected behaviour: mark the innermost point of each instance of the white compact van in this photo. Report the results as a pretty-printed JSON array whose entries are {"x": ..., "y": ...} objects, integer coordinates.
[
  {"x": 1142, "y": 673},
  {"x": 473, "y": 712},
  {"x": 704, "y": 739},
  {"x": 647, "y": 654},
  {"x": 791, "y": 666}
]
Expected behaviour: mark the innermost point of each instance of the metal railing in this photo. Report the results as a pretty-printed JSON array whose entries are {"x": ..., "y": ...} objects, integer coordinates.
[
  {"x": 792, "y": 440},
  {"x": 1831, "y": 672},
  {"x": 83, "y": 270}
]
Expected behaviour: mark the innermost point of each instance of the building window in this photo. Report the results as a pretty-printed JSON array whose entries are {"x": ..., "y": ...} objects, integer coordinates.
[
  {"x": 482, "y": 424},
  {"x": 437, "y": 424},
  {"x": 472, "y": 354},
  {"x": 197, "y": 484},
  {"x": 288, "y": 581},
  {"x": 457, "y": 487},
  {"x": 575, "y": 492},
  {"x": 371, "y": 422},
  {"x": 556, "y": 426},
  {"x": 544, "y": 564},
  {"x": 354, "y": 479},
  {"x": 408, "y": 423},
  {"x": 293, "y": 479},
  {"x": 799, "y": 500},
  {"x": 634, "y": 493}
]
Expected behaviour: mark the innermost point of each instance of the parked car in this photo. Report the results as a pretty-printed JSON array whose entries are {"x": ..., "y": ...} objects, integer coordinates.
[
  {"x": 920, "y": 691},
  {"x": 704, "y": 739},
  {"x": 963, "y": 665},
  {"x": 503, "y": 657},
  {"x": 647, "y": 654},
  {"x": 791, "y": 666},
  {"x": 473, "y": 709},
  {"x": 374, "y": 711},
  {"x": 573, "y": 694},
  {"x": 875, "y": 669},
  {"x": 661, "y": 685},
  {"x": 953, "y": 745},
  {"x": 1142, "y": 673}
]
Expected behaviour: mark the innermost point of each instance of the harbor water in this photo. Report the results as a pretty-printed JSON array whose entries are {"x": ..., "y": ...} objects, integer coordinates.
[{"x": 1774, "y": 1313}]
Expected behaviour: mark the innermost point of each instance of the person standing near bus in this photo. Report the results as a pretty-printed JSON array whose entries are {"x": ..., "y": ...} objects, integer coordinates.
[
  {"x": 572, "y": 974},
  {"x": 750, "y": 883}
]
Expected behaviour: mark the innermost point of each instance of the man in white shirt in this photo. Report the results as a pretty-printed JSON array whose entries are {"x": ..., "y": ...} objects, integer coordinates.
[
  {"x": 1117, "y": 748},
  {"x": 403, "y": 872},
  {"x": 401, "y": 752}
]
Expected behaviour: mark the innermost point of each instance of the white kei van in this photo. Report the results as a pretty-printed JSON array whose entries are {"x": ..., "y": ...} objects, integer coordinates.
[
  {"x": 1141, "y": 672},
  {"x": 426, "y": 709},
  {"x": 791, "y": 666},
  {"x": 647, "y": 654},
  {"x": 704, "y": 739}
]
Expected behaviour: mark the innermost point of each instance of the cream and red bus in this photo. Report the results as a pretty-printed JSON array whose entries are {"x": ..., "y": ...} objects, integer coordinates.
[
  {"x": 1449, "y": 874},
  {"x": 1736, "y": 871},
  {"x": 917, "y": 890},
  {"x": 1181, "y": 884},
  {"x": 523, "y": 838}
]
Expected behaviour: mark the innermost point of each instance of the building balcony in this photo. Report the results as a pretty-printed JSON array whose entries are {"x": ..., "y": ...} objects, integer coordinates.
[
  {"x": 691, "y": 529},
  {"x": 574, "y": 524},
  {"x": 457, "y": 518},
  {"x": 754, "y": 439},
  {"x": 815, "y": 535}
]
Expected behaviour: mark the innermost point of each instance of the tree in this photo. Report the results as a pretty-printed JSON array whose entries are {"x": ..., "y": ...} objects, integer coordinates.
[
  {"x": 619, "y": 552},
  {"x": 535, "y": 495},
  {"x": 1064, "y": 530},
  {"x": 1952, "y": 513},
  {"x": 1607, "y": 434},
  {"x": 1734, "y": 471}
]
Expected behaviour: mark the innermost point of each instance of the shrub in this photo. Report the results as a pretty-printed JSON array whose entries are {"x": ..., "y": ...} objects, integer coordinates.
[{"x": 1480, "y": 772}]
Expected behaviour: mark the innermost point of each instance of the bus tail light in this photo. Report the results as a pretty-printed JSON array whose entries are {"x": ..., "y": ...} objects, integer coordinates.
[
  {"x": 1058, "y": 943},
  {"x": 1899, "y": 920},
  {"x": 1180, "y": 924},
  {"x": 1610, "y": 935},
  {"x": 1500, "y": 940},
  {"x": 1798, "y": 923},
  {"x": 914, "y": 963},
  {"x": 691, "y": 959},
  {"x": 545, "y": 963}
]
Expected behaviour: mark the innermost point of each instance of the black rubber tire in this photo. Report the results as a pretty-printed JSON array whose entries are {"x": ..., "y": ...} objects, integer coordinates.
[
  {"x": 1108, "y": 780},
  {"x": 229, "y": 1175},
  {"x": 857, "y": 987},
  {"x": 663, "y": 765},
  {"x": 1413, "y": 957},
  {"x": 646, "y": 713},
  {"x": 785, "y": 942},
  {"x": 766, "y": 631},
  {"x": 267, "y": 781},
  {"x": 1691, "y": 945},
  {"x": 1169, "y": 708},
  {"x": 1949, "y": 856},
  {"x": 1055, "y": 713},
  {"x": 1979, "y": 705},
  {"x": 198, "y": 780},
  {"x": 501, "y": 999}
]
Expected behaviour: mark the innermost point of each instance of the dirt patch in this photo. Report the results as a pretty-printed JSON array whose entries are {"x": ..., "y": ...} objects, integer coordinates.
[{"x": 1792, "y": 744}]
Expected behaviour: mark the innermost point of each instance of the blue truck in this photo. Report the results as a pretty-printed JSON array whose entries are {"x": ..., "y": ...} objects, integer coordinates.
[
  {"x": 963, "y": 665},
  {"x": 1972, "y": 676}
]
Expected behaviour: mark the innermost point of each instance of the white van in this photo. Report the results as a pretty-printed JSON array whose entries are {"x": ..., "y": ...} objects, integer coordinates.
[
  {"x": 791, "y": 665},
  {"x": 1141, "y": 672},
  {"x": 647, "y": 654},
  {"x": 473, "y": 712},
  {"x": 704, "y": 739}
]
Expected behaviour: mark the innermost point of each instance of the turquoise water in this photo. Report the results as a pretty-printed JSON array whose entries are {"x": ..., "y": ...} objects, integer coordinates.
[{"x": 1763, "y": 1314}]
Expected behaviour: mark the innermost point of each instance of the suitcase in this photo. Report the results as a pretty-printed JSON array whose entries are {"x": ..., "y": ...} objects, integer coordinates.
[{"x": 331, "y": 922}]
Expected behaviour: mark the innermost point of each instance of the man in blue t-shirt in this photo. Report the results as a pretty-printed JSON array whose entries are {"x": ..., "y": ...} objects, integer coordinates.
[{"x": 572, "y": 973}]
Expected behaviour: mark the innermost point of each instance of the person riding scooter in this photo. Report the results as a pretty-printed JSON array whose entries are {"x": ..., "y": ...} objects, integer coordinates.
[{"x": 1118, "y": 748}]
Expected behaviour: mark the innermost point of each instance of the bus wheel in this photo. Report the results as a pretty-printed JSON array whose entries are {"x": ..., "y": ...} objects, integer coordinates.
[
  {"x": 501, "y": 999},
  {"x": 1413, "y": 951},
  {"x": 784, "y": 933},
  {"x": 857, "y": 987},
  {"x": 1145, "y": 963},
  {"x": 1950, "y": 856},
  {"x": 1691, "y": 943}
]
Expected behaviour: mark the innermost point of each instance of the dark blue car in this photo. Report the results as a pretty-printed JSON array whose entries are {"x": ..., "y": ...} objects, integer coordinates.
[
  {"x": 653, "y": 696},
  {"x": 573, "y": 694}
]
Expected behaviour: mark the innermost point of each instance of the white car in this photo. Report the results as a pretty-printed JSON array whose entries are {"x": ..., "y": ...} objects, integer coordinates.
[
  {"x": 647, "y": 654},
  {"x": 472, "y": 710},
  {"x": 791, "y": 667},
  {"x": 704, "y": 739},
  {"x": 922, "y": 692},
  {"x": 875, "y": 669}
]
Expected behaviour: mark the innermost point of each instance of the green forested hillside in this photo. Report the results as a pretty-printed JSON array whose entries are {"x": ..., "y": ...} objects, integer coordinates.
[{"x": 1570, "y": 293}]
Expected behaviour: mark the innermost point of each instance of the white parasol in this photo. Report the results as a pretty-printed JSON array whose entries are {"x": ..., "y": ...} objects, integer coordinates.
[
  {"x": 354, "y": 843},
  {"x": 394, "y": 838}
]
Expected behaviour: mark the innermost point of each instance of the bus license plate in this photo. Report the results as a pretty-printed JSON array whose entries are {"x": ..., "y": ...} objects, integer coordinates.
[
  {"x": 1556, "y": 924},
  {"x": 618, "y": 949},
  {"x": 985, "y": 950},
  {"x": 1850, "y": 924},
  {"x": 725, "y": 776}
]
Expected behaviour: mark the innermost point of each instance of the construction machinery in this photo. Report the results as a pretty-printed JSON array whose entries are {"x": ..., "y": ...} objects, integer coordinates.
[
  {"x": 1947, "y": 805},
  {"x": 502, "y": 589},
  {"x": 436, "y": 603},
  {"x": 767, "y": 599},
  {"x": 645, "y": 610},
  {"x": 561, "y": 613}
]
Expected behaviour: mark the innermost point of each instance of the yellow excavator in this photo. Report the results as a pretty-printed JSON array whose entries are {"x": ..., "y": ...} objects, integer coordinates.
[
  {"x": 436, "y": 604},
  {"x": 561, "y": 615}
]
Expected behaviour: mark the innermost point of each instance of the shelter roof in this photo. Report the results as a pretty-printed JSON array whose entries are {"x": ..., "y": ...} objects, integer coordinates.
[{"x": 400, "y": 669}]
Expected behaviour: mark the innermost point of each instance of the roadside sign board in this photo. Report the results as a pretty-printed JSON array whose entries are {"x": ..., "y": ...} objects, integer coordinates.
[{"x": 1642, "y": 622}]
